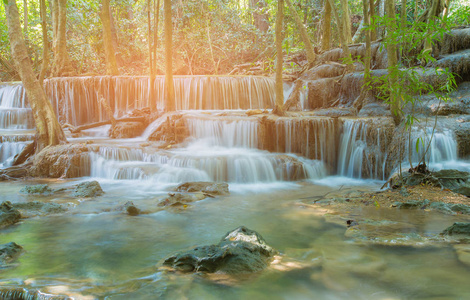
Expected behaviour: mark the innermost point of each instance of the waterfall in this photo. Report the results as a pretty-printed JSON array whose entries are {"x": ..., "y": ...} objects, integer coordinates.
[
  {"x": 442, "y": 147},
  {"x": 236, "y": 132},
  {"x": 311, "y": 137},
  {"x": 76, "y": 100},
  {"x": 196, "y": 163},
  {"x": 16, "y": 122},
  {"x": 362, "y": 149}
]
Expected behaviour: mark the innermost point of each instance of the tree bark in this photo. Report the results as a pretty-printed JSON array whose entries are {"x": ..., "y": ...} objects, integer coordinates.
[
  {"x": 395, "y": 102},
  {"x": 326, "y": 27},
  {"x": 346, "y": 21},
  {"x": 25, "y": 18},
  {"x": 170, "y": 92},
  {"x": 55, "y": 23},
  {"x": 373, "y": 32},
  {"x": 279, "y": 58},
  {"x": 153, "y": 50},
  {"x": 48, "y": 129},
  {"x": 368, "y": 55},
  {"x": 303, "y": 34},
  {"x": 432, "y": 13},
  {"x": 61, "y": 64},
  {"x": 105, "y": 15},
  {"x": 45, "y": 41}
]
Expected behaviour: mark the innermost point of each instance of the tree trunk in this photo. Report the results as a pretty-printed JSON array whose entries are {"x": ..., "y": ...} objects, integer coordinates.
[
  {"x": 326, "y": 28},
  {"x": 105, "y": 15},
  {"x": 260, "y": 18},
  {"x": 25, "y": 18},
  {"x": 395, "y": 102},
  {"x": 368, "y": 56},
  {"x": 170, "y": 92},
  {"x": 346, "y": 21},
  {"x": 431, "y": 16},
  {"x": 358, "y": 34},
  {"x": 279, "y": 58},
  {"x": 48, "y": 129},
  {"x": 153, "y": 50},
  {"x": 61, "y": 64},
  {"x": 373, "y": 32},
  {"x": 45, "y": 41},
  {"x": 55, "y": 23},
  {"x": 344, "y": 44},
  {"x": 303, "y": 34}
]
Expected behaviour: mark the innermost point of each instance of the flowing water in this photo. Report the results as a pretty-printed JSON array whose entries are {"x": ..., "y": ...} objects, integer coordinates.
[{"x": 275, "y": 167}]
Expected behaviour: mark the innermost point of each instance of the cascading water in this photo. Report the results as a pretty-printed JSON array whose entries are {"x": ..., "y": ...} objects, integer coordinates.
[
  {"x": 77, "y": 100},
  {"x": 362, "y": 149},
  {"x": 16, "y": 122}
]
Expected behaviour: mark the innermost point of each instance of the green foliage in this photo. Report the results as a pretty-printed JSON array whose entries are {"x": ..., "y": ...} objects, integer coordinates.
[{"x": 416, "y": 77}]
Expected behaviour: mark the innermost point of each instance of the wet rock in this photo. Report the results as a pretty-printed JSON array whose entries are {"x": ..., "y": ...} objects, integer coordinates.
[
  {"x": 181, "y": 200},
  {"x": 59, "y": 161},
  {"x": 450, "y": 208},
  {"x": 125, "y": 130},
  {"x": 210, "y": 188},
  {"x": 9, "y": 252},
  {"x": 411, "y": 204},
  {"x": 253, "y": 112},
  {"x": 458, "y": 228},
  {"x": 8, "y": 214},
  {"x": 24, "y": 294},
  {"x": 240, "y": 251},
  {"x": 33, "y": 208},
  {"x": 374, "y": 109},
  {"x": 88, "y": 189},
  {"x": 38, "y": 189},
  {"x": 172, "y": 131},
  {"x": 131, "y": 209}
]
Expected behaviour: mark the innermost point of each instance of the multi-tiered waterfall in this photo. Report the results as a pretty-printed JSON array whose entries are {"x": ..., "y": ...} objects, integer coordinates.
[
  {"x": 224, "y": 143},
  {"x": 16, "y": 121}
]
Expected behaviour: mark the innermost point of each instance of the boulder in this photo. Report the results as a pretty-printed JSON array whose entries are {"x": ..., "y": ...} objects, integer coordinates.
[
  {"x": 34, "y": 208},
  {"x": 210, "y": 188},
  {"x": 88, "y": 189},
  {"x": 240, "y": 251},
  {"x": 178, "y": 200},
  {"x": 9, "y": 252},
  {"x": 59, "y": 161},
  {"x": 458, "y": 228},
  {"x": 411, "y": 204},
  {"x": 125, "y": 130},
  {"x": 131, "y": 209},
  {"x": 38, "y": 189},
  {"x": 8, "y": 214},
  {"x": 450, "y": 208}
]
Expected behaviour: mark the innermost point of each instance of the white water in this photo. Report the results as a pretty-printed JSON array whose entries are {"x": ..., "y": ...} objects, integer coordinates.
[
  {"x": 362, "y": 150},
  {"x": 16, "y": 122}
]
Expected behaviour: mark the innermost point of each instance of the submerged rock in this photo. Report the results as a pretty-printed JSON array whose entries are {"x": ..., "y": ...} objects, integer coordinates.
[
  {"x": 34, "y": 208},
  {"x": 38, "y": 189},
  {"x": 411, "y": 204},
  {"x": 240, "y": 251},
  {"x": 88, "y": 189},
  {"x": 177, "y": 200},
  {"x": 211, "y": 188},
  {"x": 458, "y": 228},
  {"x": 8, "y": 214},
  {"x": 450, "y": 208},
  {"x": 9, "y": 252},
  {"x": 131, "y": 209}
]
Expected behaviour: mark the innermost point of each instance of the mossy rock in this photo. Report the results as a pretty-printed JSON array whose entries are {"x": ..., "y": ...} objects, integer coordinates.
[
  {"x": 88, "y": 189},
  {"x": 38, "y": 189}
]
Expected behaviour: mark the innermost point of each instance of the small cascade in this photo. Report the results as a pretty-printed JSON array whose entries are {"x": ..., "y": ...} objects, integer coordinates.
[
  {"x": 202, "y": 163},
  {"x": 76, "y": 100},
  {"x": 16, "y": 122},
  {"x": 442, "y": 148},
  {"x": 11, "y": 145},
  {"x": 362, "y": 148},
  {"x": 237, "y": 132},
  {"x": 14, "y": 110},
  {"x": 311, "y": 137}
]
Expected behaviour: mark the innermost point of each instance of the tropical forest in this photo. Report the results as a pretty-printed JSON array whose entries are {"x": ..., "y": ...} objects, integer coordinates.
[{"x": 234, "y": 149}]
